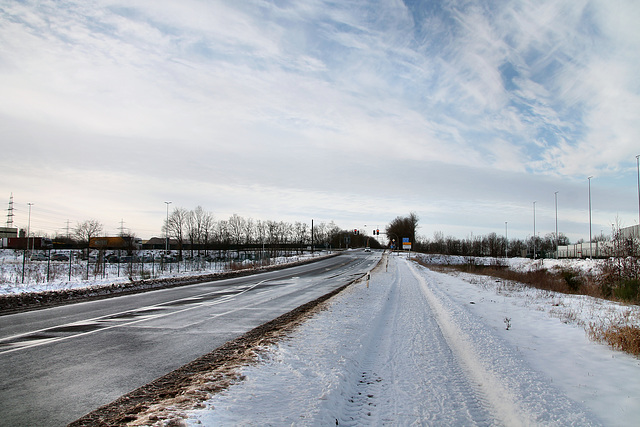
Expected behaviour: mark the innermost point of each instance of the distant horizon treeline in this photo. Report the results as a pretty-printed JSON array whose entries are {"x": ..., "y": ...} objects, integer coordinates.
[
  {"x": 198, "y": 228},
  {"x": 491, "y": 244}
]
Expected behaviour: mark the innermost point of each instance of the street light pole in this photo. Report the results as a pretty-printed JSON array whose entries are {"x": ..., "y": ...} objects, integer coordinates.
[
  {"x": 166, "y": 231},
  {"x": 534, "y": 230},
  {"x": 638, "y": 166},
  {"x": 26, "y": 248},
  {"x": 590, "y": 250},
  {"x": 506, "y": 241},
  {"x": 556, "y": 194},
  {"x": 29, "y": 225}
]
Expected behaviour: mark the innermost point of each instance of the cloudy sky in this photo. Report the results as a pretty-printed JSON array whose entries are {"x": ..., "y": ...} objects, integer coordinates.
[{"x": 464, "y": 112}]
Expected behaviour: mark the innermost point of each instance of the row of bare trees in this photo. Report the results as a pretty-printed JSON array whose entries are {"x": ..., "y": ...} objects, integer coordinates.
[
  {"x": 201, "y": 230},
  {"x": 198, "y": 229},
  {"x": 492, "y": 244}
]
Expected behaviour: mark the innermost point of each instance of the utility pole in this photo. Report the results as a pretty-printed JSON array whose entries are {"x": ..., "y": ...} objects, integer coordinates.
[
  {"x": 534, "y": 230},
  {"x": 590, "y": 253},
  {"x": 638, "y": 166},
  {"x": 556, "y": 194},
  {"x": 29, "y": 225},
  {"x": 166, "y": 231},
  {"x": 26, "y": 249},
  {"x": 506, "y": 241}
]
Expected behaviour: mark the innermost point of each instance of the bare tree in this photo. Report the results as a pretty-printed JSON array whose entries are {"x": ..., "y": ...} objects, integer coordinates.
[
  {"x": 320, "y": 233},
  {"x": 285, "y": 231},
  {"x": 261, "y": 231},
  {"x": 191, "y": 228},
  {"x": 333, "y": 232},
  {"x": 207, "y": 228},
  {"x": 300, "y": 233},
  {"x": 236, "y": 228},
  {"x": 403, "y": 227},
  {"x": 222, "y": 232},
  {"x": 272, "y": 235},
  {"x": 176, "y": 226},
  {"x": 202, "y": 224},
  {"x": 84, "y": 231},
  {"x": 249, "y": 231}
]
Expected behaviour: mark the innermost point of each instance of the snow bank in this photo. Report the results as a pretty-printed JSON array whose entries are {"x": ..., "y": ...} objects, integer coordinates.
[
  {"x": 517, "y": 264},
  {"x": 421, "y": 347},
  {"x": 35, "y": 277}
]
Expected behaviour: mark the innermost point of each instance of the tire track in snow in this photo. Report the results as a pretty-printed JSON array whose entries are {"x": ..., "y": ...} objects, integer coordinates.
[
  {"x": 399, "y": 352},
  {"x": 517, "y": 394},
  {"x": 500, "y": 399},
  {"x": 442, "y": 393},
  {"x": 405, "y": 371},
  {"x": 362, "y": 386}
]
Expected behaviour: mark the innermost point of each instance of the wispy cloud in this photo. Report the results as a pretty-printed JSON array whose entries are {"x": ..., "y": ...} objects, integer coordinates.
[{"x": 235, "y": 93}]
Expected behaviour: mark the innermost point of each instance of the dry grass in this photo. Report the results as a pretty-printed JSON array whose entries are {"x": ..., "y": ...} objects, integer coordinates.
[
  {"x": 541, "y": 279},
  {"x": 620, "y": 337},
  {"x": 620, "y": 331}
]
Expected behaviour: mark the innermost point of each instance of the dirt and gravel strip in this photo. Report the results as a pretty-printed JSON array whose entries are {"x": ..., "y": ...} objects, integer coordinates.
[
  {"x": 162, "y": 401},
  {"x": 15, "y": 303}
]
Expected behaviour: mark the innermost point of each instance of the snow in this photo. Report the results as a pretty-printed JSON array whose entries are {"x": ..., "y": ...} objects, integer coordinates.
[
  {"x": 413, "y": 346},
  {"x": 519, "y": 264},
  {"x": 35, "y": 277}
]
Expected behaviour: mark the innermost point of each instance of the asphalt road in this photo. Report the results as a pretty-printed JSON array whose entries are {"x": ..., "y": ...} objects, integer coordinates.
[{"x": 61, "y": 363}]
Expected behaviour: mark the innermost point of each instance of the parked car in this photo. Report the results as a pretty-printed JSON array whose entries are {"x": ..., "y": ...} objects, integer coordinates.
[
  {"x": 38, "y": 257},
  {"x": 112, "y": 258},
  {"x": 59, "y": 257}
]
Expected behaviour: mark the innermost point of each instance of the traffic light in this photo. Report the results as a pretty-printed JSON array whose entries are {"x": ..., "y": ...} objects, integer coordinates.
[{"x": 378, "y": 232}]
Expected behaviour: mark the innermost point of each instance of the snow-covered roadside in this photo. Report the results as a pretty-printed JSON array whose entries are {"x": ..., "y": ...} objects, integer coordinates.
[
  {"x": 517, "y": 264},
  {"x": 36, "y": 272},
  {"x": 548, "y": 330},
  {"x": 417, "y": 346}
]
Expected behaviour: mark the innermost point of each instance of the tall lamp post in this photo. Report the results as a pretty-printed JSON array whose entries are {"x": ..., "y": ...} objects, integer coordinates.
[
  {"x": 166, "y": 231},
  {"x": 26, "y": 249},
  {"x": 506, "y": 241},
  {"x": 534, "y": 230},
  {"x": 29, "y": 225},
  {"x": 590, "y": 252},
  {"x": 557, "y": 249},
  {"x": 638, "y": 166}
]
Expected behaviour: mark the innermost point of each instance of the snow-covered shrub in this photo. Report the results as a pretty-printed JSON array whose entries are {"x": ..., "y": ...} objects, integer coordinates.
[
  {"x": 627, "y": 290},
  {"x": 572, "y": 278}
]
